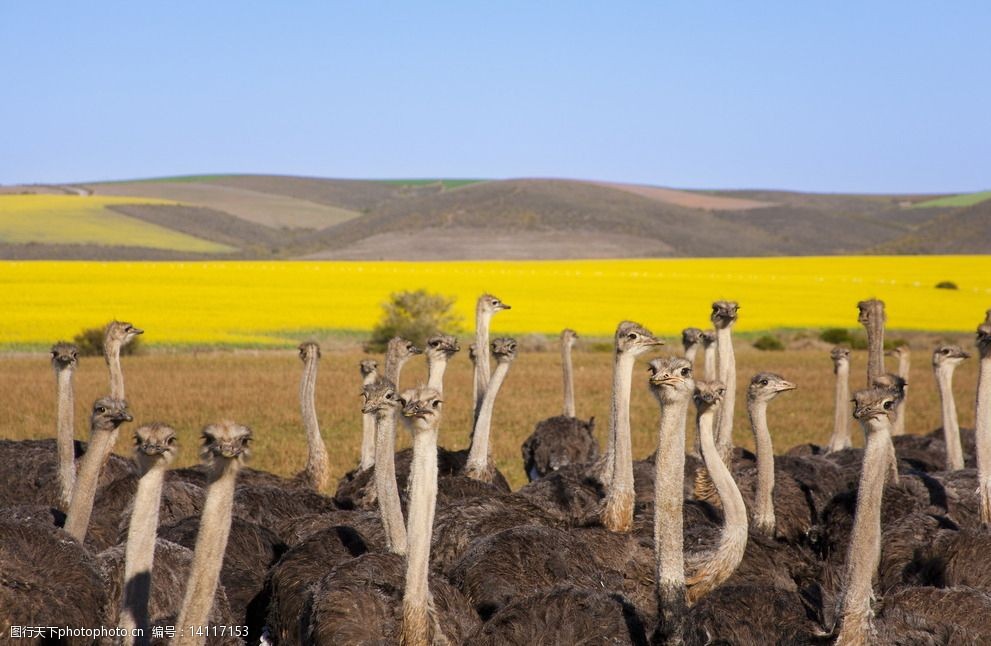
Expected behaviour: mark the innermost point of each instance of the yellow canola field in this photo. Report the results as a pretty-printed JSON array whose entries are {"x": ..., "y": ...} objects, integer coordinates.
[
  {"x": 279, "y": 303},
  {"x": 83, "y": 219}
]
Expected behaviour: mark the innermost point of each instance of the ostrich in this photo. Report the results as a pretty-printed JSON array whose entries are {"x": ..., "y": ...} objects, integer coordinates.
[
  {"x": 117, "y": 335},
  {"x": 840, "y": 439},
  {"x": 108, "y": 414},
  {"x": 724, "y": 315},
  {"x": 440, "y": 349},
  {"x": 225, "y": 447},
  {"x": 485, "y": 308},
  {"x": 397, "y": 352},
  {"x": 691, "y": 339},
  {"x": 317, "y": 470},
  {"x": 382, "y": 401},
  {"x": 945, "y": 360},
  {"x": 983, "y": 421},
  {"x": 871, "y": 316},
  {"x": 155, "y": 448},
  {"x": 709, "y": 349},
  {"x": 369, "y": 373},
  {"x": 424, "y": 621},
  {"x": 479, "y": 464},
  {"x": 64, "y": 360},
  {"x": 903, "y": 355},
  {"x": 563, "y": 439}
]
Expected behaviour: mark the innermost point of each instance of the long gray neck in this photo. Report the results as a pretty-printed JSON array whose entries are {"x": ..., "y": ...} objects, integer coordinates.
[
  {"x": 208, "y": 557},
  {"x": 709, "y": 367},
  {"x": 317, "y": 470},
  {"x": 691, "y": 351},
  {"x": 714, "y": 567},
  {"x": 139, "y": 555},
  {"x": 864, "y": 553},
  {"x": 436, "y": 367},
  {"x": 875, "y": 350},
  {"x": 904, "y": 364},
  {"x": 727, "y": 375},
  {"x": 478, "y": 455},
  {"x": 841, "y": 411},
  {"x": 764, "y": 520},
  {"x": 482, "y": 321},
  {"x": 418, "y": 628},
  {"x": 983, "y": 432},
  {"x": 368, "y": 431},
  {"x": 617, "y": 514},
  {"x": 393, "y": 368},
  {"x": 81, "y": 506},
  {"x": 569, "y": 380},
  {"x": 112, "y": 357},
  {"x": 669, "y": 559},
  {"x": 898, "y": 426},
  {"x": 386, "y": 489},
  {"x": 951, "y": 426},
  {"x": 64, "y": 437}
]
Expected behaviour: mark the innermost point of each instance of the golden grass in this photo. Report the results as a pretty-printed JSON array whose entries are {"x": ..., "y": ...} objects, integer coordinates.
[
  {"x": 261, "y": 390},
  {"x": 277, "y": 303},
  {"x": 84, "y": 219}
]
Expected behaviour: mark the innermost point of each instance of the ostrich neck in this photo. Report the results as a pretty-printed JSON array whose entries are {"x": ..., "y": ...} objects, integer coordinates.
[
  {"x": 393, "y": 368},
  {"x": 208, "y": 557},
  {"x": 983, "y": 432},
  {"x": 64, "y": 437},
  {"x": 417, "y": 628},
  {"x": 482, "y": 321},
  {"x": 436, "y": 367},
  {"x": 368, "y": 431},
  {"x": 710, "y": 569},
  {"x": 764, "y": 519},
  {"x": 112, "y": 356},
  {"x": 727, "y": 375},
  {"x": 386, "y": 489},
  {"x": 898, "y": 426},
  {"x": 864, "y": 553},
  {"x": 690, "y": 352},
  {"x": 875, "y": 351},
  {"x": 139, "y": 554},
  {"x": 841, "y": 411},
  {"x": 904, "y": 363},
  {"x": 81, "y": 506},
  {"x": 618, "y": 510},
  {"x": 569, "y": 381},
  {"x": 951, "y": 427},
  {"x": 478, "y": 454},
  {"x": 709, "y": 367},
  {"x": 317, "y": 469},
  {"x": 669, "y": 474}
]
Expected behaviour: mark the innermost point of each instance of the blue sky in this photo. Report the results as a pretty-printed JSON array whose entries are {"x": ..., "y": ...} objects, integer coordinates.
[{"x": 867, "y": 97}]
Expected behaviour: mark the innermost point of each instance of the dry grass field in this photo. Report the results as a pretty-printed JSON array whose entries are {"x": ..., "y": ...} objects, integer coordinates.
[{"x": 261, "y": 390}]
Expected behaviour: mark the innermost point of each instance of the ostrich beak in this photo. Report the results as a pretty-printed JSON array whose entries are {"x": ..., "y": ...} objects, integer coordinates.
[{"x": 786, "y": 385}]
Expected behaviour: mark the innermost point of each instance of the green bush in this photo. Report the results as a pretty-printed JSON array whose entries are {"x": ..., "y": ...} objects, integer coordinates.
[
  {"x": 90, "y": 343},
  {"x": 946, "y": 284},
  {"x": 414, "y": 315},
  {"x": 835, "y": 335},
  {"x": 768, "y": 342}
]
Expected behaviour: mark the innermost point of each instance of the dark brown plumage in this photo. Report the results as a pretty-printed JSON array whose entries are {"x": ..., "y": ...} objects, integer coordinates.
[{"x": 559, "y": 441}]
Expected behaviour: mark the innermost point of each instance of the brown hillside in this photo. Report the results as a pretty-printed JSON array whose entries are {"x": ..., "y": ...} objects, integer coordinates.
[{"x": 965, "y": 230}]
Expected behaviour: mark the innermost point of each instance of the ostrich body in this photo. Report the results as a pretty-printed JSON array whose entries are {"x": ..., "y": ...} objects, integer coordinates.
[
  {"x": 317, "y": 470},
  {"x": 369, "y": 374},
  {"x": 381, "y": 400},
  {"x": 225, "y": 447},
  {"x": 485, "y": 308},
  {"x": 155, "y": 447},
  {"x": 479, "y": 465},
  {"x": 903, "y": 355},
  {"x": 691, "y": 339},
  {"x": 724, "y": 315},
  {"x": 64, "y": 361},
  {"x": 108, "y": 415},
  {"x": 440, "y": 349},
  {"x": 945, "y": 360},
  {"x": 840, "y": 439},
  {"x": 983, "y": 422},
  {"x": 709, "y": 355}
]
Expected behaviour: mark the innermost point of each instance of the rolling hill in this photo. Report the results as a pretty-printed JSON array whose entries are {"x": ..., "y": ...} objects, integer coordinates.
[{"x": 270, "y": 216}]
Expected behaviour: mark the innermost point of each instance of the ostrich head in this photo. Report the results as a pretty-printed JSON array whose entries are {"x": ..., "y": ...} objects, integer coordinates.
[
  {"x": 569, "y": 336},
  {"x": 724, "y": 313},
  {"x": 503, "y": 349},
  {"x": 870, "y": 311},
  {"x": 120, "y": 333},
  {"x": 892, "y": 383},
  {"x": 226, "y": 440},
  {"x": 708, "y": 338},
  {"x": 380, "y": 396},
  {"x": 839, "y": 355},
  {"x": 765, "y": 386},
  {"x": 421, "y": 409},
  {"x": 490, "y": 304},
  {"x": 898, "y": 352},
  {"x": 402, "y": 349},
  {"x": 949, "y": 355},
  {"x": 471, "y": 353},
  {"x": 368, "y": 366},
  {"x": 873, "y": 404},
  {"x": 154, "y": 443},
  {"x": 671, "y": 379},
  {"x": 708, "y": 394},
  {"x": 64, "y": 355},
  {"x": 634, "y": 339},
  {"x": 691, "y": 336},
  {"x": 109, "y": 413},
  {"x": 442, "y": 346},
  {"x": 984, "y": 340},
  {"x": 309, "y": 350}
]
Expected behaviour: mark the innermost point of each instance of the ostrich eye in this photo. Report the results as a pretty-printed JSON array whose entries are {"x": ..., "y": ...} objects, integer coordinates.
[
  {"x": 101, "y": 409},
  {"x": 495, "y": 301},
  {"x": 388, "y": 395},
  {"x": 632, "y": 336},
  {"x": 685, "y": 372},
  {"x": 763, "y": 382},
  {"x": 435, "y": 403},
  {"x": 888, "y": 404}
]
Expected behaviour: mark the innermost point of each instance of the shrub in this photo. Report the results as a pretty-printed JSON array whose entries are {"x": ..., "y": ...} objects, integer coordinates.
[
  {"x": 90, "y": 343},
  {"x": 946, "y": 284},
  {"x": 835, "y": 335},
  {"x": 414, "y": 315},
  {"x": 768, "y": 342}
]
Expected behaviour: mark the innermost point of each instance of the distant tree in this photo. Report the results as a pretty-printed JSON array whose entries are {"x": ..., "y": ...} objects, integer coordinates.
[
  {"x": 414, "y": 315},
  {"x": 769, "y": 342},
  {"x": 946, "y": 284},
  {"x": 90, "y": 343}
]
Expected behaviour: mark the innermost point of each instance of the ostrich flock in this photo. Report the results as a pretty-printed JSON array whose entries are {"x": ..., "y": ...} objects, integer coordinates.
[{"x": 889, "y": 544}]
